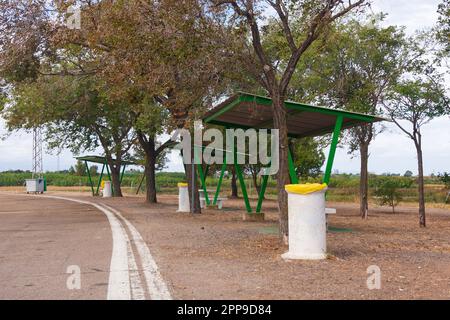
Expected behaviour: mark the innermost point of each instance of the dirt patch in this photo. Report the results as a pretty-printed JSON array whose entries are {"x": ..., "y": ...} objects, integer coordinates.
[{"x": 217, "y": 255}]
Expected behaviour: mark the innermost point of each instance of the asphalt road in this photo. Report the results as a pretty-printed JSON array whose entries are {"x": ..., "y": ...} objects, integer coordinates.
[{"x": 55, "y": 248}]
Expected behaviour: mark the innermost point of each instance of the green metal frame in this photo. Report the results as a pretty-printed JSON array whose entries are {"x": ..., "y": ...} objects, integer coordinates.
[
  {"x": 203, "y": 180},
  {"x": 123, "y": 172},
  {"x": 100, "y": 181},
  {"x": 350, "y": 119},
  {"x": 201, "y": 174},
  {"x": 241, "y": 97},
  {"x": 332, "y": 153},
  {"x": 89, "y": 176},
  {"x": 262, "y": 192},
  {"x": 219, "y": 184},
  {"x": 292, "y": 172},
  {"x": 91, "y": 183},
  {"x": 242, "y": 182}
]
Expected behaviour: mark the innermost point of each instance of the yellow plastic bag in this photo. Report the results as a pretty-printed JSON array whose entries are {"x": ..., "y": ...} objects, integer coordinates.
[{"x": 306, "y": 188}]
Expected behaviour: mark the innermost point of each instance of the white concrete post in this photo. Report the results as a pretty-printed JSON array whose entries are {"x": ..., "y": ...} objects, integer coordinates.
[
  {"x": 307, "y": 222},
  {"x": 183, "y": 198},
  {"x": 107, "y": 190}
]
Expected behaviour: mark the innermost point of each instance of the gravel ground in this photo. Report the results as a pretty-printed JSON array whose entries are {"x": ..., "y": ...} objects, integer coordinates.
[{"x": 216, "y": 255}]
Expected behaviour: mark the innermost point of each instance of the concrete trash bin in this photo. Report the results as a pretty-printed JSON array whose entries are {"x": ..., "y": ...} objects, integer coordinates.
[
  {"x": 183, "y": 198},
  {"x": 35, "y": 185},
  {"x": 107, "y": 191},
  {"x": 307, "y": 222}
]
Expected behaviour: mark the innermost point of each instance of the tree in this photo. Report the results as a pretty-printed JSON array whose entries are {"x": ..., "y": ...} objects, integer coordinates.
[
  {"x": 415, "y": 101},
  {"x": 80, "y": 168},
  {"x": 443, "y": 27},
  {"x": 408, "y": 174},
  {"x": 171, "y": 50},
  {"x": 354, "y": 70},
  {"x": 93, "y": 170},
  {"x": 308, "y": 157},
  {"x": 77, "y": 115},
  {"x": 301, "y": 23},
  {"x": 148, "y": 126},
  {"x": 151, "y": 52},
  {"x": 387, "y": 191},
  {"x": 445, "y": 178}
]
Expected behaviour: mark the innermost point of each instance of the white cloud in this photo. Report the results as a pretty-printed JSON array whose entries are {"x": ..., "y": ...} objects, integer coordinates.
[
  {"x": 392, "y": 151},
  {"x": 414, "y": 14}
]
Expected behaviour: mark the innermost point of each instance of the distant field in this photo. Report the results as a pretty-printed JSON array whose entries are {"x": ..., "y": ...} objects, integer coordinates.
[{"x": 343, "y": 188}]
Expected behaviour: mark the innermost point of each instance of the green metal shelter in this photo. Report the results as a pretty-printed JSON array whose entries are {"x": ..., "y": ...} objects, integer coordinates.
[
  {"x": 102, "y": 161},
  {"x": 249, "y": 111}
]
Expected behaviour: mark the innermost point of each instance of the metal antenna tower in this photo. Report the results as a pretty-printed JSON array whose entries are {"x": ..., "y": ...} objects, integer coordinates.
[{"x": 38, "y": 169}]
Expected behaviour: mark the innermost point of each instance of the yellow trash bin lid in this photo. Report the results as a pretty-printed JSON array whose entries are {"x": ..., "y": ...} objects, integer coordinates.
[
  {"x": 182, "y": 184},
  {"x": 305, "y": 188}
]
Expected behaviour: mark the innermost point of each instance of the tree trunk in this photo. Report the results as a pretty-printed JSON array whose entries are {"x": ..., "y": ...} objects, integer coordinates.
[
  {"x": 148, "y": 145},
  {"x": 364, "y": 180},
  {"x": 150, "y": 178},
  {"x": 422, "y": 220},
  {"x": 191, "y": 176},
  {"x": 115, "y": 177},
  {"x": 280, "y": 123},
  {"x": 234, "y": 188}
]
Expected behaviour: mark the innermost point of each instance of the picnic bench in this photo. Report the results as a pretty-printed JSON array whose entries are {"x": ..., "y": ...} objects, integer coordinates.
[
  {"x": 329, "y": 211},
  {"x": 219, "y": 201}
]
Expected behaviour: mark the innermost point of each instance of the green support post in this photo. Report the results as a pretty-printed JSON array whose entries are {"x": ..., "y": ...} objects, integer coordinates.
[
  {"x": 334, "y": 142},
  {"x": 100, "y": 180},
  {"x": 123, "y": 172},
  {"x": 242, "y": 183},
  {"x": 89, "y": 176},
  {"x": 292, "y": 172},
  {"x": 261, "y": 194},
  {"x": 219, "y": 184},
  {"x": 203, "y": 180},
  {"x": 202, "y": 177}
]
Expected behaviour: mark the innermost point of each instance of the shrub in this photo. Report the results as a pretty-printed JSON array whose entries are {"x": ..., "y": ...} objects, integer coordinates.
[
  {"x": 388, "y": 191},
  {"x": 445, "y": 178}
]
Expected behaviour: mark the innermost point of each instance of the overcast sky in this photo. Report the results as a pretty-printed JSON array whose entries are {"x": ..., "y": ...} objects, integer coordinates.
[{"x": 390, "y": 152}]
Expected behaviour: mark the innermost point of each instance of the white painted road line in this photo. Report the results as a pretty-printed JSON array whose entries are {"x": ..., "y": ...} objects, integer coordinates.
[
  {"x": 157, "y": 287},
  {"x": 119, "y": 277},
  {"x": 124, "y": 280},
  {"x": 119, "y": 287}
]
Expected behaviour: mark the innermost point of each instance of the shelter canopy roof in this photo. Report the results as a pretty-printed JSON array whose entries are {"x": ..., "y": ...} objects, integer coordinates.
[
  {"x": 102, "y": 160},
  {"x": 245, "y": 110}
]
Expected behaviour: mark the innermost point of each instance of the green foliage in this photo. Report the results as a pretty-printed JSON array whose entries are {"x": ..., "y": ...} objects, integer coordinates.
[
  {"x": 408, "y": 174},
  {"x": 418, "y": 101},
  {"x": 93, "y": 170},
  {"x": 308, "y": 157},
  {"x": 388, "y": 191},
  {"x": 443, "y": 30},
  {"x": 445, "y": 178},
  {"x": 80, "y": 168}
]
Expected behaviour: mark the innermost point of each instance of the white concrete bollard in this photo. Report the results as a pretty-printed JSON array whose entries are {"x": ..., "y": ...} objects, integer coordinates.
[
  {"x": 183, "y": 198},
  {"x": 307, "y": 222},
  {"x": 107, "y": 190}
]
